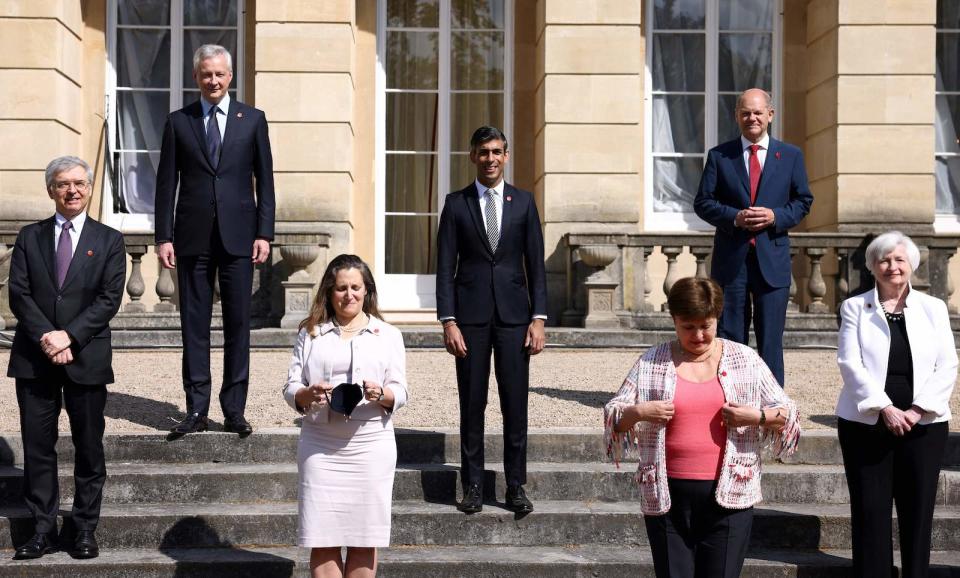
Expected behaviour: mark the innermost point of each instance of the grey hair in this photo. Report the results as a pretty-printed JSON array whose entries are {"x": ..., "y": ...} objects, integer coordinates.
[
  {"x": 766, "y": 96},
  {"x": 883, "y": 244},
  {"x": 211, "y": 51},
  {"x": 65, "y": 163}
]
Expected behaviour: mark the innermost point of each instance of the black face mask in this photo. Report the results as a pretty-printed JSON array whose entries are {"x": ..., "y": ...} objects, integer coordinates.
[{"x": 345, "y": 397}]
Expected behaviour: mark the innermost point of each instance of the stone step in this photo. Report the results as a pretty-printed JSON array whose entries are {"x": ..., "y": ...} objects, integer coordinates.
[
  {"x": 555, "y": 523},
  {"x": 434, "y": 562},
  {"x": 236, "y": 483},
  {"x": 422, "y": 445}
]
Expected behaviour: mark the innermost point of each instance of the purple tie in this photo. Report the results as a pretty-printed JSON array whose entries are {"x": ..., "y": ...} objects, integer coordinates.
[{"x": 64, "y": 253}]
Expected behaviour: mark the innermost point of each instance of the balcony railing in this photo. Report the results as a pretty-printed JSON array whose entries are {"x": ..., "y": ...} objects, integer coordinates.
[
  {"x": 283, "y": 288},
  {"x": 609, "y": 281}
]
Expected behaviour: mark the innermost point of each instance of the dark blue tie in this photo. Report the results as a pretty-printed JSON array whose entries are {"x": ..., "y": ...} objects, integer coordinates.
[{"x": 213, "y": 138}]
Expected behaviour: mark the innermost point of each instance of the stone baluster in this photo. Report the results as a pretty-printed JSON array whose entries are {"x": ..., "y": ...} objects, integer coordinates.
[
  {"x": 5, "y": 254},
  {"x": 217, "y": 305},
  {"x": 792, "y": 303},
  {"x": 298, "y": 288},
  {"x": 165, "y": 290},
  {"x": 135, "y": 284},
  {"x": 672, "y": 274},
  {"x": 843, "y": 280},
  {"x": 700, "y": 254},
  {"x": 647, "y": 284},
  {"x": 816, "y": 285},
  {"x": 952, "y": 309}
]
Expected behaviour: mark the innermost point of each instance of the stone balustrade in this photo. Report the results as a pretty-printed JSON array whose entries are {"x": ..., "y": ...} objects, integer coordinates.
[
  {"x": 609, "y": 282},
  {"x": 283, "y": 290}
]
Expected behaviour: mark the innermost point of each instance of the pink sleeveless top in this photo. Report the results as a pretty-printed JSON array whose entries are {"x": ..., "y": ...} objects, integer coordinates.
[{"x": 695, "y": 436}]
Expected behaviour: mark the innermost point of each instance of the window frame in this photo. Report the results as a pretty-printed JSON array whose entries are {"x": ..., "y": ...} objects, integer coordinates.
[
  {"x": 144, "y": 222},
  {"x": 943, "y": 222},
  {"x": 689, "y": 221},
  {"x": 413, "y": 291}
]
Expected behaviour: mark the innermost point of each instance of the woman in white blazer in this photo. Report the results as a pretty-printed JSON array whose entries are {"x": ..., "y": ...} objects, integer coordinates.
[
  {"x": 347, "y": 452},
  {"x": 899, "y": 365}
]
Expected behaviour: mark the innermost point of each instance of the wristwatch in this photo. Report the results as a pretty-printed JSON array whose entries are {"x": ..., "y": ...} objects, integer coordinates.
[{"x": 381, "y": 394}]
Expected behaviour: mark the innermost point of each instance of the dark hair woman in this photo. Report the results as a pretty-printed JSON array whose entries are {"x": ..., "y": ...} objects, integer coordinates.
[
  {"x": 347, "y": 453},
  {"x": 695, "y": 412}
]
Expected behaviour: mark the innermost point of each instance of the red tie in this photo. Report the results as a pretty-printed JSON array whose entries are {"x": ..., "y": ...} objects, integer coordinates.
[{"x": 754, "y": 179}]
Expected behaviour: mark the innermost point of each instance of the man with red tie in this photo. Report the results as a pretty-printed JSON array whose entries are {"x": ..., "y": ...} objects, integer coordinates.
[{"x": 753, "y": 190}]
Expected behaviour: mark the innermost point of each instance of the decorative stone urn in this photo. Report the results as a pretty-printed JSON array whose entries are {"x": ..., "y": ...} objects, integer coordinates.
[
  {"x": 600, "y": 286},
  {"x": 298, "y": 288}
]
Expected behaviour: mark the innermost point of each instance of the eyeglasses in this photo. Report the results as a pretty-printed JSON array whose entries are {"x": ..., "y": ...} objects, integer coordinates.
[{"x": 65, "y": 185}]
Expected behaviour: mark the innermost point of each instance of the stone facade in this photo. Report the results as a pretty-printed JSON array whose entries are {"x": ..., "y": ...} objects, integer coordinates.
[{"x": 858, "y": 82}]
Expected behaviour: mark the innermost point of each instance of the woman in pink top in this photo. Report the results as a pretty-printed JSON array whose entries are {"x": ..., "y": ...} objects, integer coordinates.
[{"x": 695, "y": 412}]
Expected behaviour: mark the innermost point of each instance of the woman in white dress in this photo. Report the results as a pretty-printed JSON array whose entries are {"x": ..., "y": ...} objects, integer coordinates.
[{"x": 346, "y": 463}]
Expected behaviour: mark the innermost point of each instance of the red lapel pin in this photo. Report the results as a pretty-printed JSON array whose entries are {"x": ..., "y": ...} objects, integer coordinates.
[
  {"x": 89, "y": 253},
  {"x": 509, "y": 198},
  {"x": 777, "y": 155}
]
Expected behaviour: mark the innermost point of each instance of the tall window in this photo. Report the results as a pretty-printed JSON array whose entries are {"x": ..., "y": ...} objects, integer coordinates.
[
  {"x": 701, "y": 54},
  {"x": 445, "y": 72},
  {"x": 947, "y": 167},
  {"x": 150, "y": 73}
]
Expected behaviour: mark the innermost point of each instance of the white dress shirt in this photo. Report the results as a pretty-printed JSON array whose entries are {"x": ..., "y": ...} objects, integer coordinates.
[
  {"x": 75, "y": 230},
  {"x": 222, "y": 107},
  {"x": 761, "y": 154}
]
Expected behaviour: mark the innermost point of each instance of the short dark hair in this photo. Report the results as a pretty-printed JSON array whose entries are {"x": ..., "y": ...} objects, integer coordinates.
[
  {"x": 695, "y": 298},
  {"x": 487, "y": 134}
]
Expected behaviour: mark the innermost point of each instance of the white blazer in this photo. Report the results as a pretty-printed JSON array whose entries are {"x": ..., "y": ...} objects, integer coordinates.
[{"x": 864, "y": 348}]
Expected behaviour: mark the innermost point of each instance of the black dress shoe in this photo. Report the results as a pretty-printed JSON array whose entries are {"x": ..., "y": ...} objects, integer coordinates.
[
  {"x": 39, "y": 545},
  {"x": 517, "y": 500},
  {"x": 237, "y": 426},
  {"x": 472, "y": 499},
  {"x": 85, "y": 545},
  {"x": 193, "y": 423}
]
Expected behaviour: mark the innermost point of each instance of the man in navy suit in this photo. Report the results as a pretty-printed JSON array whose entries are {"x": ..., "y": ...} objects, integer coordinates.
[
  {"x": 491, "y": 297},
  {"x": 66, "y": 282},
  {"x": 753, "y": 190},
  {"x": 214, "y": 225}
]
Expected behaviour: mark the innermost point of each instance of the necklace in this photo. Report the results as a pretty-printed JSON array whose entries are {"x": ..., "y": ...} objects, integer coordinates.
[
  {"x": 689, "y": 357},
  {"x": 356, "y": 324}
]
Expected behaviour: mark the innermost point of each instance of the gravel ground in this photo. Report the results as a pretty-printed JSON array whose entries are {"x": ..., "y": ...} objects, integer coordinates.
[{"x": 567, "y": 388}]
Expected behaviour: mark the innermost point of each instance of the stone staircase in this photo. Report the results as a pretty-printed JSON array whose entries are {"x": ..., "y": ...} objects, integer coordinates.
[{"x": 216, "y": 505}]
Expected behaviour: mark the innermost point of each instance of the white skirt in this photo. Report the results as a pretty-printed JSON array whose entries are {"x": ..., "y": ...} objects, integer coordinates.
[{"x": 346, "y": 482}]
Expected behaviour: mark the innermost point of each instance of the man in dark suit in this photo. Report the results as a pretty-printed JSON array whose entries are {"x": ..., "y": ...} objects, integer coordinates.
[
  {"x": 491, "y": 297},
  {"x": 66, "y": 282},
  {"x": 753, "y": 190},
  {"x": 214, "y": 225}
]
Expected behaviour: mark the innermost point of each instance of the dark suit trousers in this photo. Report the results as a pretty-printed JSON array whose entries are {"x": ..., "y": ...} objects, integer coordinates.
[
  {"x": 749, "y": 297},
  {"x": 698, "y": 538},
  {"x": 512, "y": 368},
  {"x": 40, "y": 402},
  {"x": 882, "y": 468},
  {"x": 196, "y": 275}
]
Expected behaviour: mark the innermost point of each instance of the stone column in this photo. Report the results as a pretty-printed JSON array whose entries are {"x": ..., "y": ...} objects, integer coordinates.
[
  {"x": 870, "y": 114},
  {"x": 589, "y": 98},
  {"x": 41, "y": 99},
  {"x": 304, "y": 60}
]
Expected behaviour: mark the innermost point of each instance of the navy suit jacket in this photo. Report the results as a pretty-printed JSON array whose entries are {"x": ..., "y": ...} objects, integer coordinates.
[
  {"x": 473, "y": 282},
  {"x": 83, "y": 307},
  {"x": 224, "y": 195},
  {"x": 725, "y": 190}
]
